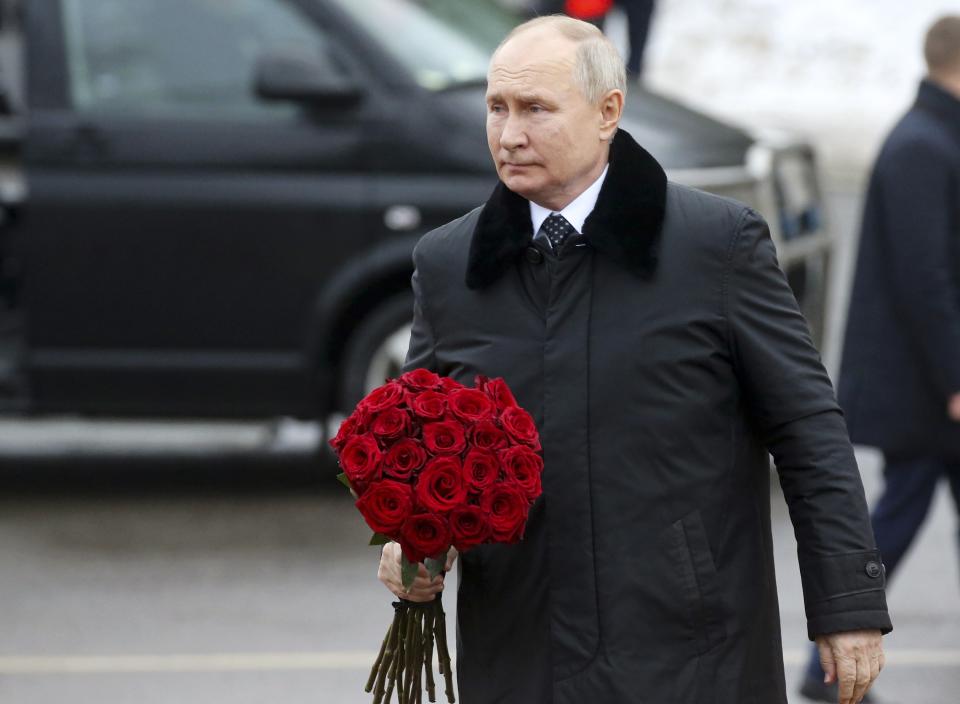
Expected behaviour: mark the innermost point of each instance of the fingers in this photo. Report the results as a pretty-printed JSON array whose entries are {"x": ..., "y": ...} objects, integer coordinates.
[
  {"x": 827, "y": 661},
  {"x": 862, "y": 678},
  {"x": 390, "y": 574},
  {"x": 847, "y": 676},
  {"x": 853, "y": 659},
  {"x": 875, "y": 668},
  {"x": 451, "y": 558}
]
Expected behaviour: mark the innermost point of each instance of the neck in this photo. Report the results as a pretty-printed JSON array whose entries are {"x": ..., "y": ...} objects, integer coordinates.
[
  {"x": 570, "y": 193},
  {"x": 949, "y": 82}
]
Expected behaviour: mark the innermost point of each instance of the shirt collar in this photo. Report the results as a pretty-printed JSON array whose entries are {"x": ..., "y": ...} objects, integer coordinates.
[{"x": 576, "y": 211}]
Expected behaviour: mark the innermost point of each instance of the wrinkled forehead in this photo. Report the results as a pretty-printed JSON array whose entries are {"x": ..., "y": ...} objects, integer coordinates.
[{"x": 531, "y": 62}]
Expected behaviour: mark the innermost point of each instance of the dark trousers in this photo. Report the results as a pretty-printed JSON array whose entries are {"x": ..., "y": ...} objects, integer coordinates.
[
  {"x": 909, "y": 485},
  {"x": 639, "y": 13}
]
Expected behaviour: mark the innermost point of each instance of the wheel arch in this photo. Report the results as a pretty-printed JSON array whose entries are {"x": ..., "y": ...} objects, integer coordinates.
[{"x": 344, "y": 300}]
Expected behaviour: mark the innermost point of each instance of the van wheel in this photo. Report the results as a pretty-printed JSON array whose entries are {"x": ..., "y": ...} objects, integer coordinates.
[{"x": 376, "y": 350}]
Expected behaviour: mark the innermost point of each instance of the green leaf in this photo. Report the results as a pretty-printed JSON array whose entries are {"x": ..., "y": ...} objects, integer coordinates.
[
  {"x": 436, "y": 564},
  {"x": 408, "y": 571},
  {"x": 378, "y": 539},
  {"x": 342, "y": 478}
]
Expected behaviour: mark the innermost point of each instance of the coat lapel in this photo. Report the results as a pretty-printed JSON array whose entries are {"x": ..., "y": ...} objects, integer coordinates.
[{"x": 625, "y": 223}]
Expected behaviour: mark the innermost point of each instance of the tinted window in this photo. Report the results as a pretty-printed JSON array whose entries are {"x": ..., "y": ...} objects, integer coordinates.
[
  {"x": 436, "y": 54},
  {"x": 185, "y": 57}
]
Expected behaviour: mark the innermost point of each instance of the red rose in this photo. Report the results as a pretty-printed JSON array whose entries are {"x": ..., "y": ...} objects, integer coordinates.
[
  {"x": 520, "y": 426},
  {"x": 361, "y": 459},
  {"x": 480, "y": 469},
  {"x": 471, "y": 405},
  {"x": 485, "y": 435},
  {"x": 420, "y": 379},
  {"x": 440, "y": 485},
  {"x": 383, "y": 397},
  {"x": 403, "y": 457},
  {"x": 448, "y": 384},
  {"x": 424, "y": 535},
  {"x": 469, "y": 526},
  {"x": 524, "y": 466},
  {"x": 497, "y": 390},
  {"x": 391, "y": 424},
  {"x": 446, "y": 437},
  {"x": 507, "y": 508},
  {"x": 386, "y": 505},
  {"x": 431, "y": 405},
  {"x": 349, "y": 426}
]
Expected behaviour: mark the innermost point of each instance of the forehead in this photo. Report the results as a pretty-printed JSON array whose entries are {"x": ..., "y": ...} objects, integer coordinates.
[{"x": 533, "y": 61}]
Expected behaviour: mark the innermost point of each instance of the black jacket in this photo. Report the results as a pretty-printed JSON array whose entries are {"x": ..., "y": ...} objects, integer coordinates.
[
  {"x": 660, "y": 362},
  {"x": 901, "y": 359}
]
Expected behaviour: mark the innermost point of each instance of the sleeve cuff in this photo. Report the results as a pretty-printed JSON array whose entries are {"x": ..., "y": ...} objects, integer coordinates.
[
  {"x": 827, "y": 577},
  {"x": 844, "y": 592},
  {"x": 849, "y": 621}
]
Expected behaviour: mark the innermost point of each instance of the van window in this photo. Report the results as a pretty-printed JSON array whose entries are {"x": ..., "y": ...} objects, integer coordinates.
[
  {"x": 437, "y": 54},
  {"x": 180, "y": 57}
]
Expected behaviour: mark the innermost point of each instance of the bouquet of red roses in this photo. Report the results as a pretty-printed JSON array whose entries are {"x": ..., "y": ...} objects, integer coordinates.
[{"x": 435, "y": 464}]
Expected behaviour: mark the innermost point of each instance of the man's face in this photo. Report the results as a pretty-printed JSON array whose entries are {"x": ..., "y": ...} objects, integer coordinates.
[{"x": 545, "y": 138}]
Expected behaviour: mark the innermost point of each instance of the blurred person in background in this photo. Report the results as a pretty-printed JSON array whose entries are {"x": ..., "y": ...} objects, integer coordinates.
[
  {"x": 592, "y": 11},
  {"x": 900, "y": 377},
  {"x": 639, "y": 14}
]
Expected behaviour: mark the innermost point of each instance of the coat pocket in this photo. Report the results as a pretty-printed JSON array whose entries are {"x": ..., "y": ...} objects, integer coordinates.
[{"x": 700, "y": 592}]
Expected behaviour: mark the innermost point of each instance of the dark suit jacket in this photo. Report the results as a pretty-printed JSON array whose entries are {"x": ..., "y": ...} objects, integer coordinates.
[
  {"x": 660, "y": 361},
  {"x": 901, "y": 357}
]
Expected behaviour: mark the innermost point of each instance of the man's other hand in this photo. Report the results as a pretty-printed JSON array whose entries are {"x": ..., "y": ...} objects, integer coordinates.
[
  {"x": 953, "y": 408},
  {"x": 855, "y": 658},
  {"x": 423, "y": 588}
]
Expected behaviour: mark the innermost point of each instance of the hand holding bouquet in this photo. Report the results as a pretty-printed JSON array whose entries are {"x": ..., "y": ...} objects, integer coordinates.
[{"x": 435, "y": 464}]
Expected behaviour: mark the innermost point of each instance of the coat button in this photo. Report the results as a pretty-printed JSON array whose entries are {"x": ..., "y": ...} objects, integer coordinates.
[
  {"x": 873, "y": 569},
  {"x": 534, "y": 255}
]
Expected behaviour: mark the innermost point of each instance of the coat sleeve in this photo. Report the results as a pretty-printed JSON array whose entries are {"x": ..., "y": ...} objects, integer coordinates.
[
  {"x": 792, "y": 404},
  {"x": 916, "y": 193},
  {"x": 420, "y": 353}
]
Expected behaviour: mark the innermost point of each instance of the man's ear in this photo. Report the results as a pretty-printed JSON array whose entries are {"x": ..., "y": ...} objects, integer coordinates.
[{"x": 611, "y": 108}]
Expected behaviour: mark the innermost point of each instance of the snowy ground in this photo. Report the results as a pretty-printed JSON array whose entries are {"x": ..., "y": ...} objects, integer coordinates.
[{"x": 837, "y": 71}]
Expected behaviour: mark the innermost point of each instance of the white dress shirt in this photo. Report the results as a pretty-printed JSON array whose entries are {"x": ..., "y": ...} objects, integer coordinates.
[{"x": 576, "y": 211}]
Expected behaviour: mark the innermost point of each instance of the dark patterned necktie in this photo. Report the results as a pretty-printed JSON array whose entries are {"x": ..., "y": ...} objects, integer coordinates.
[{"x": 557, "y": 230}]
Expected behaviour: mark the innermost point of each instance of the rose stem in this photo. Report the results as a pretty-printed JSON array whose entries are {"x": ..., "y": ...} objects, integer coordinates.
[
  {"x": 428, "y": 654},
  {"x": 419, "y": 689},
  {"x": 396, "y": 667},
  {"x": 389, "y": 690},
  {"x": 389, "y": 657},
  {"x": 408, "y": 653},
  {"x": 420, "y": 659},
  {"x": 441, "y": 632},
  {"x": 376, "y": 665},
  {"x": 402, "y": 654},
  {"x": 415, "y": 658}
]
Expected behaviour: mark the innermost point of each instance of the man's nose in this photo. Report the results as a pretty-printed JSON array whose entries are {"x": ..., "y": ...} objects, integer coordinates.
[{"x": 513, "y": 134}]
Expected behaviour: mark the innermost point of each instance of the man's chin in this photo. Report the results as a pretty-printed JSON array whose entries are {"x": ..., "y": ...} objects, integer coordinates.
[{"x": 520, "y": 184}]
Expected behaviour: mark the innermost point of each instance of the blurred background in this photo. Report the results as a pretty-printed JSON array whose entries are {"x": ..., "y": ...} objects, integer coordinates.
[{"x": 207, "y": 209}]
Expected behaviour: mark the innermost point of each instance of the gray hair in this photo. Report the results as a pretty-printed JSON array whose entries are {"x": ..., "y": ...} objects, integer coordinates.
[{"x": 599, "y": 68}]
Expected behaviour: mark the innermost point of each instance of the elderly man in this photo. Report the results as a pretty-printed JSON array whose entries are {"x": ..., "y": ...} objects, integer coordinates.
[{"x": 650, "y": 331}]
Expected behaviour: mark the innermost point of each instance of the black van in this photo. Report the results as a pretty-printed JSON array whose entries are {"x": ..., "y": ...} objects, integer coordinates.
[{"x": 209, "y": 207}]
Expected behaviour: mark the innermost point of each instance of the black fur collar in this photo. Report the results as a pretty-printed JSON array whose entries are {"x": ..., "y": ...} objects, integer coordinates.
[{"x": 625, "y": 223}]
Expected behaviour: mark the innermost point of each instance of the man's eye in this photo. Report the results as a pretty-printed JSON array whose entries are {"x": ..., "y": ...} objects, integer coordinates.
[
  {"x": 536, "y": 108},
  {"x": 496, "y": 108}
]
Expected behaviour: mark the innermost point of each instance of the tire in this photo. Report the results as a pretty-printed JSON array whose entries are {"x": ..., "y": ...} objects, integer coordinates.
[{"x": 375, "y": 350}]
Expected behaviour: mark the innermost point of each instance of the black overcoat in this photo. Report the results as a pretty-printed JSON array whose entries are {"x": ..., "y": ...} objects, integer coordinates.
[
  {"x": 660, "y": 360},
  {"x": 901, "y": 359}
]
